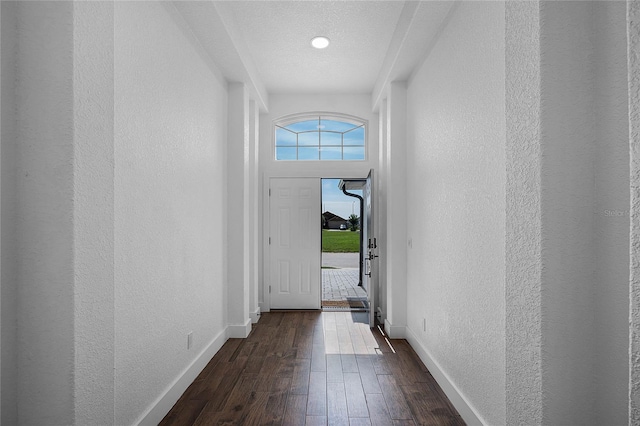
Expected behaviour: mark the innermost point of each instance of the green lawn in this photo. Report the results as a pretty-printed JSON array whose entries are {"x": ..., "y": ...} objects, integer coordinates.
[{"x": 340, "y": 241}]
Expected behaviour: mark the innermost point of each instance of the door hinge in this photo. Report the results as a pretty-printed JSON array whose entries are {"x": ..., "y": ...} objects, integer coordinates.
[
  {"x": 269, "y": 192},
  {"x": 269, "y": 240},
  {"x": 269, "y": 289}
]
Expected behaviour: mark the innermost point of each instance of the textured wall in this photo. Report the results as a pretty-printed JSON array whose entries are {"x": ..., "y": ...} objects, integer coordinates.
[
  {"x": 633, "y": 37},
  {"x": 584, "y": 180},
  {"x": 567, "y": 141},
  {"x": 8, "y": 203},
  {"x": 93, "y": 212},
  {"x": 611, "y": 232},
  {"x": 170, "y": 115},
  {"x": 456, "y": 205},
  {"x": 523, "y": 220},
  {"x": 44, "y": 225}
]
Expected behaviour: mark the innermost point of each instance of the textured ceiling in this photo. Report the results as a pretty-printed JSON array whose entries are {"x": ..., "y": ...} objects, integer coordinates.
[{"x": 277, "y": 35}]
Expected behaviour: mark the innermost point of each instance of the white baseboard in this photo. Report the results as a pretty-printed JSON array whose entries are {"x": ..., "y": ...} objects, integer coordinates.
[
  {"x": 239, "y": 331},
  {"x": 263, "y": 307},
  {"x": 255, "y": 315},
  {"x": 394, "y": 331},
  {"x": 166, "y": 401},
  {"x": 466, "y": 410}
]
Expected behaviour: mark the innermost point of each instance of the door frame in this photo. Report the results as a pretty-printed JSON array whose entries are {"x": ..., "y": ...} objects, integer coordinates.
[
  {"x": 330, "y": 172},
  {"x": 265, "y": 298}
]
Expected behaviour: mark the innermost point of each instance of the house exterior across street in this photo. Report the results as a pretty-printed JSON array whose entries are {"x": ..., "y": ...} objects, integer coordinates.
[{"x": 333, "y": 221}]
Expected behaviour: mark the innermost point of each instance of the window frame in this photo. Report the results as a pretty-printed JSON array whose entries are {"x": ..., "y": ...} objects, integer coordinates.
[{"x": 357, "y": 122}]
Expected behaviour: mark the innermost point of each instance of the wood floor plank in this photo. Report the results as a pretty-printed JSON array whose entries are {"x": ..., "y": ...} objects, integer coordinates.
[
  {"x": 349, "y": 363},
  {"x": 286, "y": 364},
  {"x": 240, "y": 394},
  {"x": 316, "y": 421},
  {"x": 357, "y": 340},
  {"x": 356, "y": 402},
  {"x": 314, "y": 368},
  {"x": 254, "y": 414},
  {"x": 317, "y": 400},
  {"x": 303, "y": 341},
  {"x": 318, "y": 358},
  {"x": 254, "y": 364},
  {"x": 359, "y": 422},
  {"x": 334, "y": 369},
  {"x": 344, "y": 342},
  {"x": 393, "y": 396},
  {"x": 427, "y": 409},
  {"x": 296, "y": 412},
  {"x": 370, "y": 341},
  {"x": 368, "y": 374},
  {"x": 267, "y": 374},
  {"x": 300, "y": 380},
  {"x": 236, "y": 404},
  {"x": 336, "y": 405},
  {"x": 432, "y": 395},
  {"x": 401, "y": 376},
  {"x": 412, "y": 366},
  {"x": 277, "y": 402},
  {"x": 378, "y": 410},
  {"x": 188, "y": 414},
  {"x": 332, "y": 346},
  {"x": 218, "y": 398},
  {"x": 404, "y": 422}
]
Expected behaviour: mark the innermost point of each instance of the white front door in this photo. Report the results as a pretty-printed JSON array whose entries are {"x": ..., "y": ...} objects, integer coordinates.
[{"x": 295, "y": 243}]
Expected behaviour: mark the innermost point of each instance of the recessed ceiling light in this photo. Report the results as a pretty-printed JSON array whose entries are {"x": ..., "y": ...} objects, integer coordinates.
[{"x": 319, "y": 42}]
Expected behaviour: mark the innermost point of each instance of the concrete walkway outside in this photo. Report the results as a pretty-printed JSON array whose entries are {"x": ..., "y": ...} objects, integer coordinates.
[
  {"x": 341, "y": 284},
  {"x": 341, "y": 260}
]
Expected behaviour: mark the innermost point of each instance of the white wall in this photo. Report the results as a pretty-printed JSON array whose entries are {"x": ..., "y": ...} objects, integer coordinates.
[
  {"x": 395, "y": 188},
  {"x": 380, "y": 211},
  {"x": 585, "y": 180},
  {"x": 8, "y": 287},
  {"x": 633, "y": 36},
  {"x": 239, "y": 210},
  {"x": 8, "y": 203},
  {"x": 568, "y": 250},
  {"x": 612, "y": 215},
  {"x": 280, "y": 105},
  {"x": 44, "y": 213},
  {"x": 523, "y": 242},
  {"x": 113, "y": 182},
  {"x": 456, "y": 206},
  {"x": 254, "y": 203},
  {"x": 169, "y": 204},
  {"x": 93, "y": 214}
]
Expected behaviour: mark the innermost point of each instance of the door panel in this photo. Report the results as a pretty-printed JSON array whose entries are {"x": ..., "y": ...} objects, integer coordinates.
[{"x": 295, "y": 249}]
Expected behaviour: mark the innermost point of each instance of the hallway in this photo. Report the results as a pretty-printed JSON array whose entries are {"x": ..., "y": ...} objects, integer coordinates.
[
  {"x": 139, "y": 232},
  {"x": 314, "y": 368}
]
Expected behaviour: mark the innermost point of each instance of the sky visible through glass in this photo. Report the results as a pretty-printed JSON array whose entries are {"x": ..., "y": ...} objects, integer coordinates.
[
  {"x": 336, "y": 202},
  {"x": 320, "y": 139}
]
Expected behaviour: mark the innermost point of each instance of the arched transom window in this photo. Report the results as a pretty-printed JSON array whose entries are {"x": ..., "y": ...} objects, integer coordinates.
[{"x": 320, "y": 138}]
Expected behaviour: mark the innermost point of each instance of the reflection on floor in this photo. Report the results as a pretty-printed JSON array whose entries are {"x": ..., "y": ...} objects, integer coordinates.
[{"x": 340, "y": 290}]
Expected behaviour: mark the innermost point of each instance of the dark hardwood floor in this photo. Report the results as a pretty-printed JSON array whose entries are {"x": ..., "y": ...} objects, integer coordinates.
[{"x": 314, "y": 368}]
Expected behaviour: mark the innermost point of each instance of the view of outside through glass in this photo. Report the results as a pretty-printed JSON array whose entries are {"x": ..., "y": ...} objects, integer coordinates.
[{"x": 320, "y": 139}]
